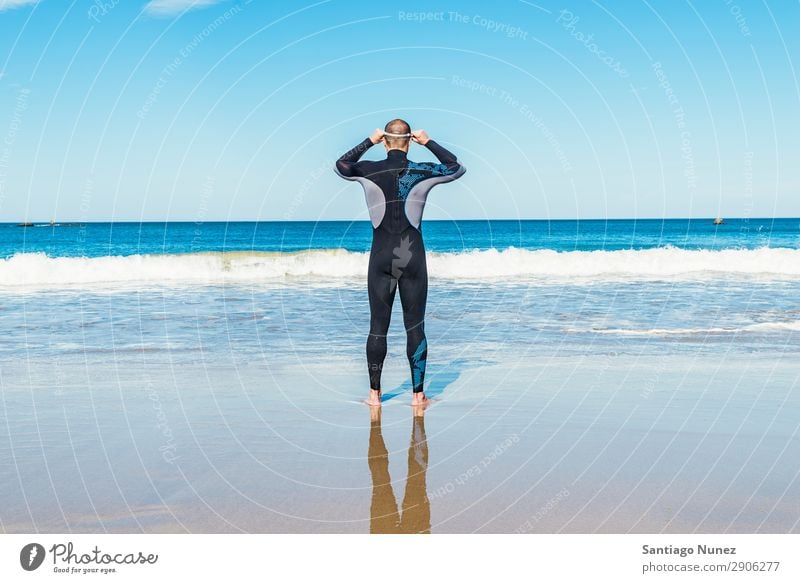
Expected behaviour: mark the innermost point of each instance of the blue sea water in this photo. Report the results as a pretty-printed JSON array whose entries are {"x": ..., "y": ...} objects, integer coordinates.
[
  {"x": 130, "y": 238},
  {"x": 281, "y": 291}
]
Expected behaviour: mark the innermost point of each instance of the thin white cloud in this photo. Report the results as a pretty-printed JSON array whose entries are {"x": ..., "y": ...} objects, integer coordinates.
[
  {"x": 9, "y": 4},
  {"x": 167, "y": 7}
]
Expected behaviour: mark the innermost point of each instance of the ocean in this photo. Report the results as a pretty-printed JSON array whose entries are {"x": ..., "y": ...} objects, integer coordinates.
[
  {"x": 280, "y": 288},
  {"x": 206, "y": 377}
]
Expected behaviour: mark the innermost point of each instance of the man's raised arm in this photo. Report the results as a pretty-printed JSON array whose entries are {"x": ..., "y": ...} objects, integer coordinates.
[
  {"x": 449, "y": 163},
  {"x": 347, "y": 165}
]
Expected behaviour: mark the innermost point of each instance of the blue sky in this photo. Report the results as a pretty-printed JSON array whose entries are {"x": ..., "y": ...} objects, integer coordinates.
[{"x": 226, "y": 110}]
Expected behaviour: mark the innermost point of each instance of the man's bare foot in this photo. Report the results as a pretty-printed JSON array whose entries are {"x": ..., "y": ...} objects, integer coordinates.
[
  {"x": 374, "y": 398},
  {"x": 420, "y": 400},
  {"x": 375, "y": 414}
]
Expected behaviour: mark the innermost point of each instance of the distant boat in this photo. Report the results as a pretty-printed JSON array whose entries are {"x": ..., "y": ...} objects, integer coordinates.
[
  {"x": 51, "y": 223},
  {"x": 718, "y": 221}
]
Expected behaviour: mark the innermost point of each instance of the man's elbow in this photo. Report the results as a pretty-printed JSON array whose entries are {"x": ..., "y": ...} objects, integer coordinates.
[
  {"x": 343, "y": 168},
  {"x": 457, "y": 170}
]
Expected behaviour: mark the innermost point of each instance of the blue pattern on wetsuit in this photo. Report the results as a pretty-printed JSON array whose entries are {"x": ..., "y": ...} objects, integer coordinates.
[
  {"x": 417, "y": 171},
  {"x": 406, "y": 182},
  {"x": 418, "y": 363}
]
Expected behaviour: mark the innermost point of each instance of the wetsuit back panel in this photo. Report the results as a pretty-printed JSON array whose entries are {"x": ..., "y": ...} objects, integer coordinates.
[{"x": 404, "y": 184}]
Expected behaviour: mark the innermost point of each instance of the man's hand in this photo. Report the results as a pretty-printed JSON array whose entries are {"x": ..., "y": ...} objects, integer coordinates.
[
  {"x": 420, "y": 137},
  {"x": 377, "y": 136}
]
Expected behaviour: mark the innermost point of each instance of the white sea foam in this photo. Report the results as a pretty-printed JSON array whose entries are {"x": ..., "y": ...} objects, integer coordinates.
[
  {"x": 763, "y": 327},
  {"x": 332, "y": 265}
]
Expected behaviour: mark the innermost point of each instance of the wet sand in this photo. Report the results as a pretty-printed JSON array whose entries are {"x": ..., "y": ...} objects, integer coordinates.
[{"x": 553, "y": 445}]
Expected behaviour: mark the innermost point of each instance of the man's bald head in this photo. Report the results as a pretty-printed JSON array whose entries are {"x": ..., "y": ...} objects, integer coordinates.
[{"x": 397, "y": 126}]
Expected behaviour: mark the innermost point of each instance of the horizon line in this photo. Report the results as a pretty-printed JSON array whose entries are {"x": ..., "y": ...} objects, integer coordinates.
[{"x": 142, "y": 221}]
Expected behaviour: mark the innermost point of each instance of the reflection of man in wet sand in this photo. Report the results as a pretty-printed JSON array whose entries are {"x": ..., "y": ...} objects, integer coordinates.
[{"x": 416, "y": 516}]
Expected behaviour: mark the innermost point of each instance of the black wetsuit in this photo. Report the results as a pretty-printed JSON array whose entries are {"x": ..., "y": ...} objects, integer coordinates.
[{"x": 396, "y": 190}]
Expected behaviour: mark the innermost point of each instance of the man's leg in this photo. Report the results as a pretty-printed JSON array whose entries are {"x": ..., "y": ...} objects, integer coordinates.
[
  {"x": 413, "y": 286},
  {"x": 381, "y": 287}
]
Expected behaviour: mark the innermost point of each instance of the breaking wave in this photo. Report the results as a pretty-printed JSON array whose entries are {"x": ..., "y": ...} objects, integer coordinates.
[{"x": 40, "y": 270}]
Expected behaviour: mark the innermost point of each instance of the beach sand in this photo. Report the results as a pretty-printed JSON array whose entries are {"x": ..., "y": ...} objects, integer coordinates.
[{"x": 611, "y": 444}]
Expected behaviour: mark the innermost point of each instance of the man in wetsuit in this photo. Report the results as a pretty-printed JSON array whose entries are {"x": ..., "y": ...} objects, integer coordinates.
[{"x": 396, "y": 189}]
